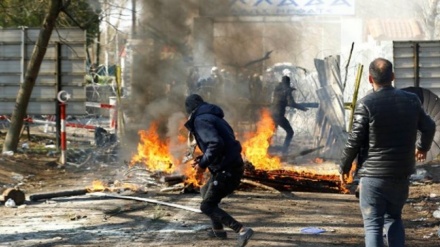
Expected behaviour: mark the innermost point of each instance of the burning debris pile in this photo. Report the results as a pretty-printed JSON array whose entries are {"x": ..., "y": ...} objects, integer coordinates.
[
  {"x": 155, "y": 168},
  {"x": 293, "y": 180},
  {"x": 160, "y": 168}
]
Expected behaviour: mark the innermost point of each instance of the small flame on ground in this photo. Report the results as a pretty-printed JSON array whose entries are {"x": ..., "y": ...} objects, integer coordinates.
[
  {"x": 100, "y": 186},
  {"x": 97, "y": 185}
]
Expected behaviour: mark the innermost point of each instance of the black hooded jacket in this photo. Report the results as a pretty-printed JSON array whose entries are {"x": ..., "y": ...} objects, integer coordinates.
[{"x": 214, "y": 137}]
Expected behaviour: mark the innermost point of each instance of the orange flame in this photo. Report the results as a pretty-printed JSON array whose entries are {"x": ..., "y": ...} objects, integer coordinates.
[
  {"x": 97, "y": 185},
  {"x": 255, "y": 148},
  {"x": 153, "y": 152},
  {"x": 192, "y": 177},
  {"x": 156, "y": 155}
]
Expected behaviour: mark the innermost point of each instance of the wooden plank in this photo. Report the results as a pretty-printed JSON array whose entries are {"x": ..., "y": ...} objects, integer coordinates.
[
  {"x": 331, "y": 114},
  {"x": 331, "y": 104}
]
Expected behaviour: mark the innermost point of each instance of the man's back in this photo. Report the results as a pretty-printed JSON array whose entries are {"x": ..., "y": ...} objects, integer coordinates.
[
  {"x": 280, "y": 100},
  {"x": 393, "y": 116}
]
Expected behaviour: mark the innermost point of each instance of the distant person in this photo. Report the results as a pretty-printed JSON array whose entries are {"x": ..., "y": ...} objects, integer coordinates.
[
  {"x": 222, "y": 156},
  {"x": 255, "y": 88},
  {"x": 282, "y": 98},
  {"x": 191, "y": 80},
  {"x": 384, "y": 129},
  {"x": 255, "y": 96},
  {"x": 217, "y": 83}
]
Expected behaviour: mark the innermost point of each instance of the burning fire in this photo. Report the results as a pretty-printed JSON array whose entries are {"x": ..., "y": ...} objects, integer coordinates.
[
  {"x": 192, "y": 177},
  {"x": 153, "y": 152},
  {"x": 100, "y": 186},
  {"x": 255, "y": 148},
  {"x": 156, "y": 155},
  {"x": 97, "y": 185}
]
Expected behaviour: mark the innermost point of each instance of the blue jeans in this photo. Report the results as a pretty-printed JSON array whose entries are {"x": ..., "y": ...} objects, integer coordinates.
[{"x": 381, "y": 201}]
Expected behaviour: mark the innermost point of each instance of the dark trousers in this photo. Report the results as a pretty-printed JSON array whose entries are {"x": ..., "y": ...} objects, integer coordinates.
[
  {"x": 285, "y": 124},
  {"x": 218, "y": 187}
]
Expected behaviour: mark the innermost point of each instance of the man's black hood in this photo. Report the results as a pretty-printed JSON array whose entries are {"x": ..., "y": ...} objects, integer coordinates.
[
  {"x": 192, "y": 102},
  {"x": 202, "y": 109},
  {"x": 206, "y": 108}
]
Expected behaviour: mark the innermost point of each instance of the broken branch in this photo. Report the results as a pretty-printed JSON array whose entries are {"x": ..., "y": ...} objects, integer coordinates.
[{"x": 258, "y": 185}]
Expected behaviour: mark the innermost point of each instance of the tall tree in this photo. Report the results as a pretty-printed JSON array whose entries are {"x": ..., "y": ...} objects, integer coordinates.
[{"x": 33, "y": 68}]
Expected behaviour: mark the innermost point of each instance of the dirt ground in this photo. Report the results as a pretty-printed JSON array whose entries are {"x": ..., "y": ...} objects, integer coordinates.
[{"x": 278, "y": 218}]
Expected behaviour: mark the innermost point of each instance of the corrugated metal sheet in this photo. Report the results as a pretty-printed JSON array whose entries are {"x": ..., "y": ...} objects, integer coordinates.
[
  {"x": 417, "y": 63},
  {"x": 15, "y": 55}
]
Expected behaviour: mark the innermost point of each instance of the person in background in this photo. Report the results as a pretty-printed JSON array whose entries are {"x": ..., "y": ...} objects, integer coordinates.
[
  {"x": 255, "y": 92},
  {"x": 385, "y": 126},
  {"x": 282, "y": 98},
  {"x": 191, "y": 80},
  {"x": 222, "y": 157}
]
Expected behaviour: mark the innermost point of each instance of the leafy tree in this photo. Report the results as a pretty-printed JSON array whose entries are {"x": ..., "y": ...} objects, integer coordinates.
[{"x": 85, "y": 14}]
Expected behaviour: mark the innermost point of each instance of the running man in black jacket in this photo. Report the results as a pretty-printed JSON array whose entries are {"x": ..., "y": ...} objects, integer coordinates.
[{"x": 222, "y": 157}]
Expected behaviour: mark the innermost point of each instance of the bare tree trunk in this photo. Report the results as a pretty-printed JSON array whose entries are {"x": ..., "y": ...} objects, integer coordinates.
[{"x": 33, "y": 68}]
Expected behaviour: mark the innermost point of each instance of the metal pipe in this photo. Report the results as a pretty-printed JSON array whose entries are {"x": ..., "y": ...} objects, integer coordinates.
[
  {"x": 58, "y": 89},
  {"x": 416, "y": 64},
  {"x": 23, "y": 53}
]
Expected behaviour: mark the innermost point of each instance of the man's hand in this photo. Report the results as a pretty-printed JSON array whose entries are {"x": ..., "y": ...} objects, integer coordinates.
[
  {"x": 199, "y": 173},
  {"x": 199, "y": 170},
  {"x": 195, "y": 164},
  {"x": 343, "y": 176},
  {"x": 420, "y": 155}
]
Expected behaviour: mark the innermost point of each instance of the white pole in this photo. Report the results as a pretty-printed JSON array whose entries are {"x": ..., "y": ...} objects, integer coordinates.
[{"x": 23, "y": 53}]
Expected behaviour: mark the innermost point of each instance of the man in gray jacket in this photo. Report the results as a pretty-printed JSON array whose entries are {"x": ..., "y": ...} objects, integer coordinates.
[{"x": 386, "y": 122}]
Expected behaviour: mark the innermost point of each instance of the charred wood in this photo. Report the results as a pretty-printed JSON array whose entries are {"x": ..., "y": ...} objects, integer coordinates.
[
  {"x": 296, "y": 181},
  {"x": 172, "y": 180}
]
